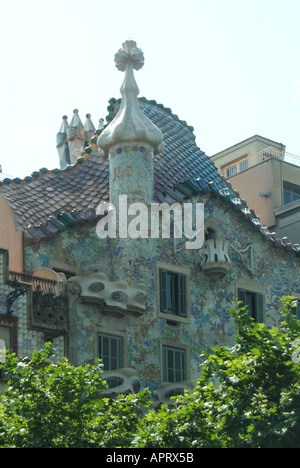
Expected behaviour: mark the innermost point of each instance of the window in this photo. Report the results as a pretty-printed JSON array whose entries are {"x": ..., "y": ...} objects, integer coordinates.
[
  {"x": 243, "y": 165},
  {"x": 231, "y": 171},
  {"x": 174, "y": 364},
  {"x": 254, "y": 302},
  {"x": 173, "y": 297},
  {"x": 110, "y": 351},
  {"x": 296, "y": 310},
  {"x": 290, "y": 192}
]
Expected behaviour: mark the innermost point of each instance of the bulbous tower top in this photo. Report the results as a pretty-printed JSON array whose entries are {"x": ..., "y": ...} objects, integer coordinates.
[{"x": 130, "y": 124}]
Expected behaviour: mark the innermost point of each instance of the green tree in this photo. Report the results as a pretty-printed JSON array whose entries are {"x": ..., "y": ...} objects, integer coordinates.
[
  {"x": 46, "y": 405},
  {"x": 247, "y": 396}
]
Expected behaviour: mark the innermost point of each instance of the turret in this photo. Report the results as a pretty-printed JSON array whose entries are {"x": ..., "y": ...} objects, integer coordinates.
[
  {"x": 130, "y": 142},
  {"x": 131, "y": 139},
  {"x": 89, "y": 129},
  {"x": 72, "y": 139},
  {"x": 62, "y": 143},
  {"x": 76, "y": 137}
]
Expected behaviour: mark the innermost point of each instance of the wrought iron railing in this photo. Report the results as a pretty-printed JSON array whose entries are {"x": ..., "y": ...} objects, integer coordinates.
[
  {"x": 44, "y": 284},
  {"x": 49, "y": 309}
]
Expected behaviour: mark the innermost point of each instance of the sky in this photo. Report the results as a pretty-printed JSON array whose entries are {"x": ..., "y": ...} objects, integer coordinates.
[{"x": 230, "y": 68}]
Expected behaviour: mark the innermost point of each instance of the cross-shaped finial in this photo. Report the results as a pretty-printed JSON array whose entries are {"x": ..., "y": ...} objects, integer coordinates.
[
  {"x": 130, "y": 124},
  {"x": 129, "y": 54}
]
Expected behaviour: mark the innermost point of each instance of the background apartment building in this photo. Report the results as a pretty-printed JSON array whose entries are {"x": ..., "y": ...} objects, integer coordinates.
[{"x": 268, "y": 178}]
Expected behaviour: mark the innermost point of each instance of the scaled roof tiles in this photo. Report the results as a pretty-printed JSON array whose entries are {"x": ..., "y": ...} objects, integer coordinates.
[
  {"x": 85, "y": 184},
  {"x": 48, "y": 201}
]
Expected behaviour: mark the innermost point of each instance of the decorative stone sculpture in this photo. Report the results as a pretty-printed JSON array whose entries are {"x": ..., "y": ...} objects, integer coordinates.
[
  {"x": 215, "y": 261},
  {"x": 117, "y": 295},
  {"x": 122, "y": 381},
  {"x": 169, "y": 389}
]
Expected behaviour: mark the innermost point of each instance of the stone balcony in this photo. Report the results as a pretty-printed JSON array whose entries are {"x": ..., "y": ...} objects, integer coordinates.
[
  {"x": 170, "y": 389},
  {"x": 123, "y": 381},
  {"x": 215, "y": 261},
  {"x": 118, "y": 297}
]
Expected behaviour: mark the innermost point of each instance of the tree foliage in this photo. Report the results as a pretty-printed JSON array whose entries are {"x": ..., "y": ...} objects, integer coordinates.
[
  {"x": 247, "y": 396},
  {"x": 62, "y": 406}
]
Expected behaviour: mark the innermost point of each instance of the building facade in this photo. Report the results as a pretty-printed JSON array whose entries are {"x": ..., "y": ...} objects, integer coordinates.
[
  {"x": 269, "y": 179},
  {"x": 139, "y": 299}
]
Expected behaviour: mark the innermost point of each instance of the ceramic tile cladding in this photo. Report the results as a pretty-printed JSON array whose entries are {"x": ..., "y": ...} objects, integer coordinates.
[
  {"x": 256, "y": 263},
  {"x": 80, "y": 247},
  {"x": 86, "y": 332}
]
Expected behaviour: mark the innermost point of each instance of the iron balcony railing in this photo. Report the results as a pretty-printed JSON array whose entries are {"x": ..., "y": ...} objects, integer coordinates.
[{"x": 44, "y": 284}]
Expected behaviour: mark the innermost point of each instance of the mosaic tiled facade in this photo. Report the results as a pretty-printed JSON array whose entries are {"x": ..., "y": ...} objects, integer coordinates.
[{"x": 265, "y": 267}]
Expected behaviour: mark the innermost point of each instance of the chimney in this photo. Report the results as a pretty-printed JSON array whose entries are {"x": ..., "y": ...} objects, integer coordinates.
[{"x": 62, "y": 143}]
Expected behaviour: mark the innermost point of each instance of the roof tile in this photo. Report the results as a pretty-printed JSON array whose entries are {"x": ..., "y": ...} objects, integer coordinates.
[{"x": 50, "y": 192}]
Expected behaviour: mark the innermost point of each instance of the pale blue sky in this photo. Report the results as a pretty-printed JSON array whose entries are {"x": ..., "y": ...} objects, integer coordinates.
[{"x": 230, "y": 68}]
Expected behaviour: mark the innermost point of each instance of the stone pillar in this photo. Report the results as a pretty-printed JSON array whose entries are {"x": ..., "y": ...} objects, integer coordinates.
[{"x": 131, "y": 173}]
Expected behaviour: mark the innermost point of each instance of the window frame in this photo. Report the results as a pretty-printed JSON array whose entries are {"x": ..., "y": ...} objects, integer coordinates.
[
  {"x": 184, "y": 351},
  {"x": 231, "y": 171},
  {"x": 252, "y": 287},
  {"x": 297, "y": 309},
  {"x": 120, "y": 340},
  {"x": 183, "y": 278},
  {"x": 290, "y": 188},
  {"x": 259, "y": 301},
  {"x": 172, "y": 292},
  {"x": 244, "y": 165}
]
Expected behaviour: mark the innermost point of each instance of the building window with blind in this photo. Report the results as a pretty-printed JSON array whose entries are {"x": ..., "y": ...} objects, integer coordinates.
[
  {"x": 174, "y": 364},
  {"x": 243, "y": 166},
  {"x": 254, "y": 302},
  {"x": 173, "y": 293},
  {"x": 231, "y": 171},
  {"x": 110, "y": 350}
]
